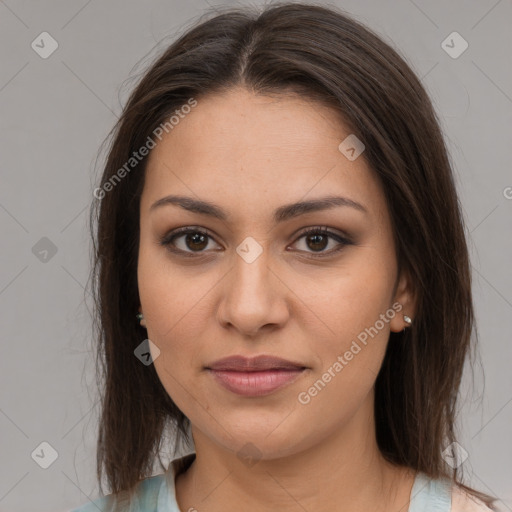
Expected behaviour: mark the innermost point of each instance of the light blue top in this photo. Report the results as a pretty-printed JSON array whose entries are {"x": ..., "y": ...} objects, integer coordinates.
[{"x": 157, "y": 493}]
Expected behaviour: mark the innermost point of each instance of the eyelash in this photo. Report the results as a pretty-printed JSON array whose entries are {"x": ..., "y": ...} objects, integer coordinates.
[{"x": 169, "y": 239}]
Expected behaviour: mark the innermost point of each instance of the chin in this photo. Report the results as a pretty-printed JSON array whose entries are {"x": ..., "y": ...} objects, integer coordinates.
[{"x": 260, "y": 441}]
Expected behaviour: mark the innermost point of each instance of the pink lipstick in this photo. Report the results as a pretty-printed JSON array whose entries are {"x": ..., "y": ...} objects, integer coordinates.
[{"x": 256, "y": 376}]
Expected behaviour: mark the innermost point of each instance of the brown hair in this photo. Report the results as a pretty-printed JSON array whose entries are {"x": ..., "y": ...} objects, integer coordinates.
[{"x": 324, "y": 55}]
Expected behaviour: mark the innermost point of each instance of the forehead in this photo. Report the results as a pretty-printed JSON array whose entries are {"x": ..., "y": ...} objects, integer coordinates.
[
  {"x": 252, "y": 151},
  {"x": 239, "y": 121}
]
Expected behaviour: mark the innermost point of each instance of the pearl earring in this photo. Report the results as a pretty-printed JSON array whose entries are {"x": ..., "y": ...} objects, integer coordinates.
[{"x": 407, "y": 319}]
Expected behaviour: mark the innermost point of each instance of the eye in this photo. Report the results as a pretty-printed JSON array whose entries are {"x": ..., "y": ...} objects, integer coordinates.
[
  {"x": 317, "y": 239},
  {"x": 194, "y": 239}
]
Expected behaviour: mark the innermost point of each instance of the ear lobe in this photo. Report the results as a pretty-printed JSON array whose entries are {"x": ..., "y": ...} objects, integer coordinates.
[{"x": 405, "y": 296}]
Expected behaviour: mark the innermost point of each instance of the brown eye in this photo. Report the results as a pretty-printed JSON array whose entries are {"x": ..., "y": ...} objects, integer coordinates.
[
  {"x": 192, "y": 241},
  {"x": 196, "y": 241},
  {"x": 317, "y": 240}
]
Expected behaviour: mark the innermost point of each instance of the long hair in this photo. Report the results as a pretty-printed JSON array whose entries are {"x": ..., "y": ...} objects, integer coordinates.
[{"x": 327, "y": 56}]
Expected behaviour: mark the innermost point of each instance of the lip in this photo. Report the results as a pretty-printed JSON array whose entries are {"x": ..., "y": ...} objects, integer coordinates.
[
  {"x": 256, "y": 376},
  {"x": 253, "y": 364}
]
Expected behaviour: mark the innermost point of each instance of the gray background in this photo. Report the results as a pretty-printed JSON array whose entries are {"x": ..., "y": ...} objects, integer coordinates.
[{"x": 54, "y": 114}]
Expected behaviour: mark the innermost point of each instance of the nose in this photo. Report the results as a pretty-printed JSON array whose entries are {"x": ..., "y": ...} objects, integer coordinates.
[{"x": 254, "y": 298}]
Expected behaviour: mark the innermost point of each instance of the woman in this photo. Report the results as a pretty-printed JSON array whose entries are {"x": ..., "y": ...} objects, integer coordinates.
[{"x": 279, "y": 212}]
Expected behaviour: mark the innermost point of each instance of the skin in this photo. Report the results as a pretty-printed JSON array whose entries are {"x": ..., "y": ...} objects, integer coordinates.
[{"x": 251, "y": 154}]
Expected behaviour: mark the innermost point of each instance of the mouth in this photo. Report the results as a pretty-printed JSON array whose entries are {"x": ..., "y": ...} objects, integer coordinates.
[{"x": 258, "y": 376}]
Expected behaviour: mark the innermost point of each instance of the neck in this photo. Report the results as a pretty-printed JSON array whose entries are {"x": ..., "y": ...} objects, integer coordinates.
[{"x": 346, "y": 471}]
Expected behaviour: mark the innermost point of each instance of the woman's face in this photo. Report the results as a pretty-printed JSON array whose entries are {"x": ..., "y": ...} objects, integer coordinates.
[{"x": 254, "y": 284}]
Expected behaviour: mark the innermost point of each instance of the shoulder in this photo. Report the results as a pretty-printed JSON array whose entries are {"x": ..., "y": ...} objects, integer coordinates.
[
  {"x": 145, "y": 498},
  {"x": 444, "y": 495},
  {"x": 462, "y": 501},
  {"x": 153, "y": 494}
]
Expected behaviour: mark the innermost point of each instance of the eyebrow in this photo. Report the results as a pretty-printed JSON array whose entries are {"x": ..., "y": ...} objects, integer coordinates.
[{"x": 281, "y": 214}]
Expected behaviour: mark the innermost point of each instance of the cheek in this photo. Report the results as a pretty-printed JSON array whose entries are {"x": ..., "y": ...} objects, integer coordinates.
[
  {"x": 173, "y": 301},
  {"x": 171, "y": 296},
  {"x": 352, "y": 296},
  {"x": 349, "y": 362},
  {"x": 353, "y": 314}
]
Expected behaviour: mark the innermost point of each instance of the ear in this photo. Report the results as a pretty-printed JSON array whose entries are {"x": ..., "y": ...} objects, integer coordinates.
[{"x": 404, "y": 303}]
